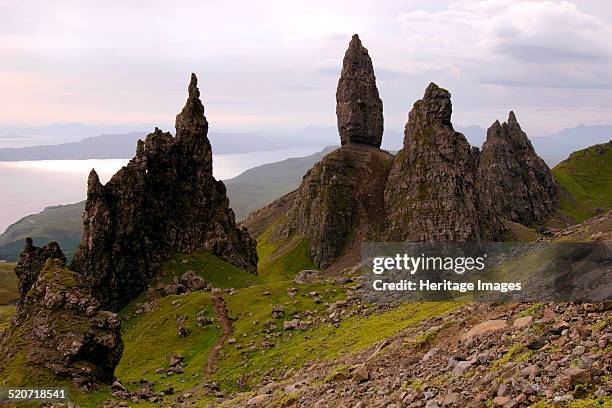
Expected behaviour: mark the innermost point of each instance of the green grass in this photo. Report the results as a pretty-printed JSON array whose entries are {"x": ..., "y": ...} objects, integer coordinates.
[
  {"x": 322, "y": 342},
  {"x": 281, "y": 260},
  {"x": 251, "y": 308},
  {"x": 587, "y": 176},
  {"x": 6, "y": 312},
  {"x": 151, "y": 338},
  {"x": 9, "y": 291},
  {"x": 519, "y": 233},
  {"x": 211, "y": 268}
]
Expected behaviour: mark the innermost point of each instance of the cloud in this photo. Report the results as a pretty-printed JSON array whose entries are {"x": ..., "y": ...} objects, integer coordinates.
[{"x": 517, "y": 43}]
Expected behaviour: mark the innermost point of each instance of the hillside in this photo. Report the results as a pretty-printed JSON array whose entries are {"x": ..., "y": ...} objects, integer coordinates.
[
  {"x": 8, "y": 285},
  {"x": 586, "y": 176},
  {"x": 60, "y": 223}
]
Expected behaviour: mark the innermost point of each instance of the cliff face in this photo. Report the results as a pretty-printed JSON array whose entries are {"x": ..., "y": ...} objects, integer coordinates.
[
  {"x": 59, "y": 327},
  {"x": 340, "y": 201},
  {"x": 512, "y": 179},
  {"x": 164, "y": 201},
  {"x": 431, "y": 191},
  {"x": 358, "y": 107}
]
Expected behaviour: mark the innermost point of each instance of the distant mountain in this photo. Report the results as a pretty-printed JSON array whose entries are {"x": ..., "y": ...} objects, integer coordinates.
[
  {"x": 247, "y": 192},
  {"x": 121, "y": 146},
  {"x": 57, "y": 133},
  {"x": 116, "y": 146},
  {"x": 557, "y": 147}
]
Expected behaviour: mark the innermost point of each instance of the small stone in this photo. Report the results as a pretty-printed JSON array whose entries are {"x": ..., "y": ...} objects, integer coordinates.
[
  {"x": 451, "y": 398},
  {"x": 461, "y": 367},
  {"x": 291, "y": 324},
  {"x": 360, "y": 373},
  {"x": 522, "y": 322},
  {"x": 501, "y": 401},
  {"x": 570, "y": 377}
]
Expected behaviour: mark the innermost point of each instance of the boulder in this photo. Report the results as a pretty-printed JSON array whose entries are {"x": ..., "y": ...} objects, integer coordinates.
[
  {"x": 485, "y": 327},
  {"x": 360, "y": 372},
  {"x": 306, "y": 277},
  {"x": 522, "y": 322}
]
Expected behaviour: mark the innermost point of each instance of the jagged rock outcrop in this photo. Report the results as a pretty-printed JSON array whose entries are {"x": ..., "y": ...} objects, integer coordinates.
[
  {"x": 58, "y": 327},
  {"x": 164, "y": 201},
  {"x": 339, "y": 202},
  {"x": 358, "y": 107},
  {"x": 31, "y": 262},
  {"x": 431, "y": 191},
  {"x": 512, "y": 179}
]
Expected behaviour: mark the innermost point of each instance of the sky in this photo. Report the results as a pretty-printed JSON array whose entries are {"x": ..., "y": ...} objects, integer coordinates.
[{"x": 265, "y": 65}]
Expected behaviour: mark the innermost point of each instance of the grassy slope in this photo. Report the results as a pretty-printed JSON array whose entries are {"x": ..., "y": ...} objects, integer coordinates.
[
  {"x": 282, "y": 260},
  {"x": 587, "y": 176},
  {"x": 214, "y": 270},
  {"x": 8, "y": 284},
  {"x": 151, "y": 338}
]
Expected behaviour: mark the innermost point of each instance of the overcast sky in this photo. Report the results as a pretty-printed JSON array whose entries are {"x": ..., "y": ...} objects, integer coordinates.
[{"x": 275, "y": 64}]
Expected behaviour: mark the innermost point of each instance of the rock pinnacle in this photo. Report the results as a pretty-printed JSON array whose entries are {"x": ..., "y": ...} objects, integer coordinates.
[{"x": 358, "y": 107}]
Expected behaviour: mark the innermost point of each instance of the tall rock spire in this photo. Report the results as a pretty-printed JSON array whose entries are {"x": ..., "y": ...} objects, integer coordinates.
[
  {"x": 512, "y": 179},
  {"x": 192, "y": 128},
  {"x": 164, "y": 201},
  {"x": 431, "y": 193},
  {"x": 358, "y": 107}
]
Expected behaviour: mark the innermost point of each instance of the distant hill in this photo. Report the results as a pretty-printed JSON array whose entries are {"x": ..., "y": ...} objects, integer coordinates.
[
  {"x": 258, "y": 186},
  {"x": 247, "y": 192},
  {"x": 557, "y": 147},
  {"x": 587, "y": 176},
  {"x": 552, "y": 149},
  {"x": 122, "y": 145},
  {"x": 56, "y": 133}
]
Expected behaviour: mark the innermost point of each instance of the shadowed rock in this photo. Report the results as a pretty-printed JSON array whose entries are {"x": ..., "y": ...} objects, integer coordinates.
[
  {"x": 31, "y": 262},
  {"x": 512, "y": 179},
  {"x": 164, "y": 201},
  {"x": 58, "y": 327},
  {"x": 358, "y": 107},
  {"x": 431, "y": 192}
]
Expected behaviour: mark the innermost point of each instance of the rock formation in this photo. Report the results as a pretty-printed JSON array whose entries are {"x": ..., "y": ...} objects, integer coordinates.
[
  {"x": 358, "y": 107},
  {"x": 431, "y": 191},
  {"x": 339, "y": 202},
  {"x": 512, "y": 179},
  {"x": 58, "y": 327},
  {"x": 31, "y": 262},
  {"x": 164, "y": 201}
]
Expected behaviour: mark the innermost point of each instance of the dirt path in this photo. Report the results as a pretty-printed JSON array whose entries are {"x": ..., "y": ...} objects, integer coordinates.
[{"x": 221, "y": 315}]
